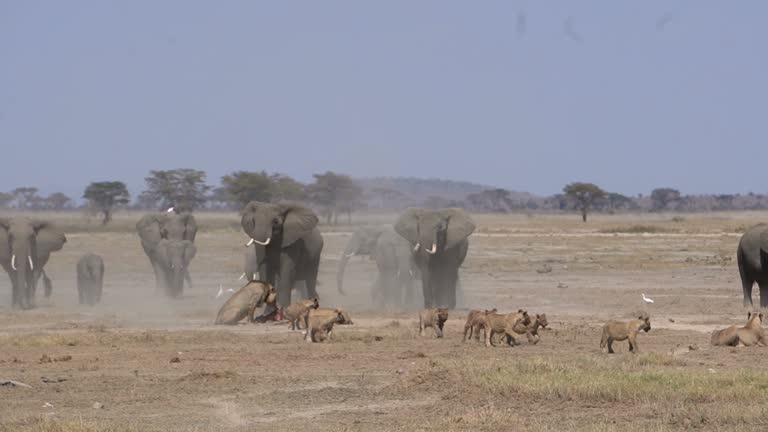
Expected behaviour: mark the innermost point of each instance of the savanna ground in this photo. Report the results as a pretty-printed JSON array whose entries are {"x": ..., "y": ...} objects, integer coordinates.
[{"x": 161, "y": 365}]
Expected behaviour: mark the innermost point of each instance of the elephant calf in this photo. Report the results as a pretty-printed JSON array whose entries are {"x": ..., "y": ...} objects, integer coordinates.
[{"x": 90, "y": 279}]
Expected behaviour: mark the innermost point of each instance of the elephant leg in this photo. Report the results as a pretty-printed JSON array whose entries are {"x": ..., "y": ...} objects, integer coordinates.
[
  {"x": 47, "y": 285},
  {"x": 426, "y": 288},
  {"x": 285, "y": 282},
  {"x": 377, "y": 291},
  {"x": 188, "y": 278},
  {"x": 763, "y": 294},
  {"x": 80, "y": 284},
  {"x": 746, "y": 287},
  {"x": 311, "y": 280},
  {"x": 15, "y": 292}
]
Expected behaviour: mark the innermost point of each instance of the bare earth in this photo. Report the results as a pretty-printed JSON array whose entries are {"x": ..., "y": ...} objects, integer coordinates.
[{"x": 156, "y": 364}]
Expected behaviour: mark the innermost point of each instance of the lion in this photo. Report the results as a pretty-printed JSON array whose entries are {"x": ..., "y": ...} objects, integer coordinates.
[
  {"x": 532, "y": 329},
  {"x": 244, "y": 302},
  {"x": 751, "y": 334},
  {"x": 296, "y": 313},
  {"x": 619, "y": 331},
  {"x": 504, "y": 324},
  {"x": 434, "y": 318},
  {"x": 475, "y": 321},
  {"x": 320, "y": 323}
]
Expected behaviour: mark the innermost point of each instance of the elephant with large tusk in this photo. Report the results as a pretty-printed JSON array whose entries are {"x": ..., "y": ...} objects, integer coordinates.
[
  {"x": 394, "y": 260},
  {"x": 287, "y": 246},
  {"x": 25, "y": 247},
  {"x": 440, "y": 239}
]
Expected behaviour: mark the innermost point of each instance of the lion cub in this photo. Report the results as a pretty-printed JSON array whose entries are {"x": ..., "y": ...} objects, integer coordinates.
[
  {"x": 505, "y": 325},
  {"x": 320, "y": 323},
  {"x": 619, "y": 331},
  {"x": 296, "y": 313},
  {"x": 751, "y": 334},
  {"x": 434, "y": 318},
  {"x": 475, "y": 321}
]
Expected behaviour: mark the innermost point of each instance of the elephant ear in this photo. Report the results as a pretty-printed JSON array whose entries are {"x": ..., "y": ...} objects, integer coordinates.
[
  {"x": 150, "y": 229},
  {"x": 190, "y": 226},
  {"x": 190, "y": 250},
  {"x": 5, "y": 247},
  {"x": 49, "y": 239},
  {"x": 299, "y": 221},
  {"x": 248, "y": 215},
  {"x": 407, "y": 225},
  {"x": 460, "y": 226}
]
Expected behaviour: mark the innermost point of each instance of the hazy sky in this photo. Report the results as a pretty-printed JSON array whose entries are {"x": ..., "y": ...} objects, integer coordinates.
[{"x": 629, "y": 95}]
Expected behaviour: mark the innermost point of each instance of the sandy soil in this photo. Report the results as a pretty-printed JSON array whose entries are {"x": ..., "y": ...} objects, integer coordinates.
[{"x": 161, "y": 364}]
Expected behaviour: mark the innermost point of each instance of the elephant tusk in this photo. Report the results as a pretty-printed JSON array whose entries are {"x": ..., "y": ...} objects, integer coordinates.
[
  {"x": 418, "y": 245},
  {"x": 254, "y": 277},
  {"x": 250, "y": 242},
  {"x": 263, "y": 244},
  {"x": 242, "y": 276},
  {"x": 13, "y": 262},
  {"x": 31, "y": 266},
  {"x": 433, "y": 250}
]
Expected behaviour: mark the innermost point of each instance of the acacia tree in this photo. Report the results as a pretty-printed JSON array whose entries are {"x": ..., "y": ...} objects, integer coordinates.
[
  {"x": 584, "y": 195},
  {"x": 183, "y": 188},
  {"x": 662, "y": 197},
  {"x": 106, "y": 196},
  {"x": 57, "y": 201},
  {"x": 335, "y": 193},
  {"x": 24, "y": 196},
  {"x": 245, "y": 186}
]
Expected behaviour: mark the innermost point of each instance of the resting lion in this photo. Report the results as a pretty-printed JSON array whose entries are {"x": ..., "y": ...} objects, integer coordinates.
[
  {"x": 619, "y": 331},
  {"x": 475, "y": 321},
  {"x": 434, "y": 318},
  {"x": 244, "y": 302},
  {"x": 296, "y": 313},
  {"x": 751, "y": 334},
  {"x": 505, "y": 324}
]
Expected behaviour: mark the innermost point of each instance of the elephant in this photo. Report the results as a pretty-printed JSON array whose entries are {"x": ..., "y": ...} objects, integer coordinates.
[
  {"x": 439, "y": 243},
  {"x": 752, "y": 258},
  {"x": 168, "y": 241},
  {"x": 90, "y": 279},
  {"x": 394, "y": 260},
  {"x": 25, "y": 247},
  {"x": 287, "y": 245}
]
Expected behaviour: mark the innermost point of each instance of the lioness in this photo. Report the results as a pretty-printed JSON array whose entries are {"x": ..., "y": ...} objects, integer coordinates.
[
  {"x": 751, "y": 334},
  {"x": 320, "y": 323},
  {"x": 619, "y": 331},
  {"x": 475, "y": 321},
  {"x": 297, "y": 312},
  {"x": 245, "y": 301},
  {"x": 504, "y": 324},
  {"x": 434, "y": 318}
]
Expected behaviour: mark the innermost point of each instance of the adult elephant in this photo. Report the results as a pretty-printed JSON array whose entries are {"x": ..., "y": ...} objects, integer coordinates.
[
  {"x": 168, "y": 242},
  {"x": 394, "y": 260},
  {"x": 439, "y": 241},
  {"x": 287, "y": 245},
  {"x": 752, "y": 258},
  {"x": 25, "y": 247}
]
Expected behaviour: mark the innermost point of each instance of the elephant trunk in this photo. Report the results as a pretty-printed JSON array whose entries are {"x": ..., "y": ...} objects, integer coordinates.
[{"x": 23, "y": 265}]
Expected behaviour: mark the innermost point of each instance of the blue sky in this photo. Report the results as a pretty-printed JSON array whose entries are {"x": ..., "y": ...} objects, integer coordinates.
[{"x": 629, "y": 95}]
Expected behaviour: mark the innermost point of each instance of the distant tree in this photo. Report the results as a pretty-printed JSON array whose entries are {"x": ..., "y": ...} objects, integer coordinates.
[
  {"x": 335, "y": 193},
  {"x": 219, "y": 198},
  {"x": 5, "y": 199},
  {"x": 438, "y": 202},
  {"x": 184, "y": 188},
  {"x": 287, "y": 188},
  {"x": 495, "y": 200},
  {"x": 584, "y": 195},
  {"x": 616, "y": 201},
  {"x": 105, "y": 196},
  {"x": 662, "y": 197},
  {"x": 24, "y": 196},
  {"x": 243, "y": 187},
  {"x": 57, "y": 201}
]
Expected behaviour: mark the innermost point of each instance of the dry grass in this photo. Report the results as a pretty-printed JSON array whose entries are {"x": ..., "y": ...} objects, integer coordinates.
[
  {"x": 637, "y": 229},
  {"x": 42, "y": 424}
]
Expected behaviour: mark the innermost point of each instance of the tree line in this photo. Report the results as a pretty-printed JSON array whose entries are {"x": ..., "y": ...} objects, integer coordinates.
[{"x": 335, "y": 195}]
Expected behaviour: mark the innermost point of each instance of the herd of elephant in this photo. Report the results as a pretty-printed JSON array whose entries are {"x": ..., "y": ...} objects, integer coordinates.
[{"x": 285, "y": 247}]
